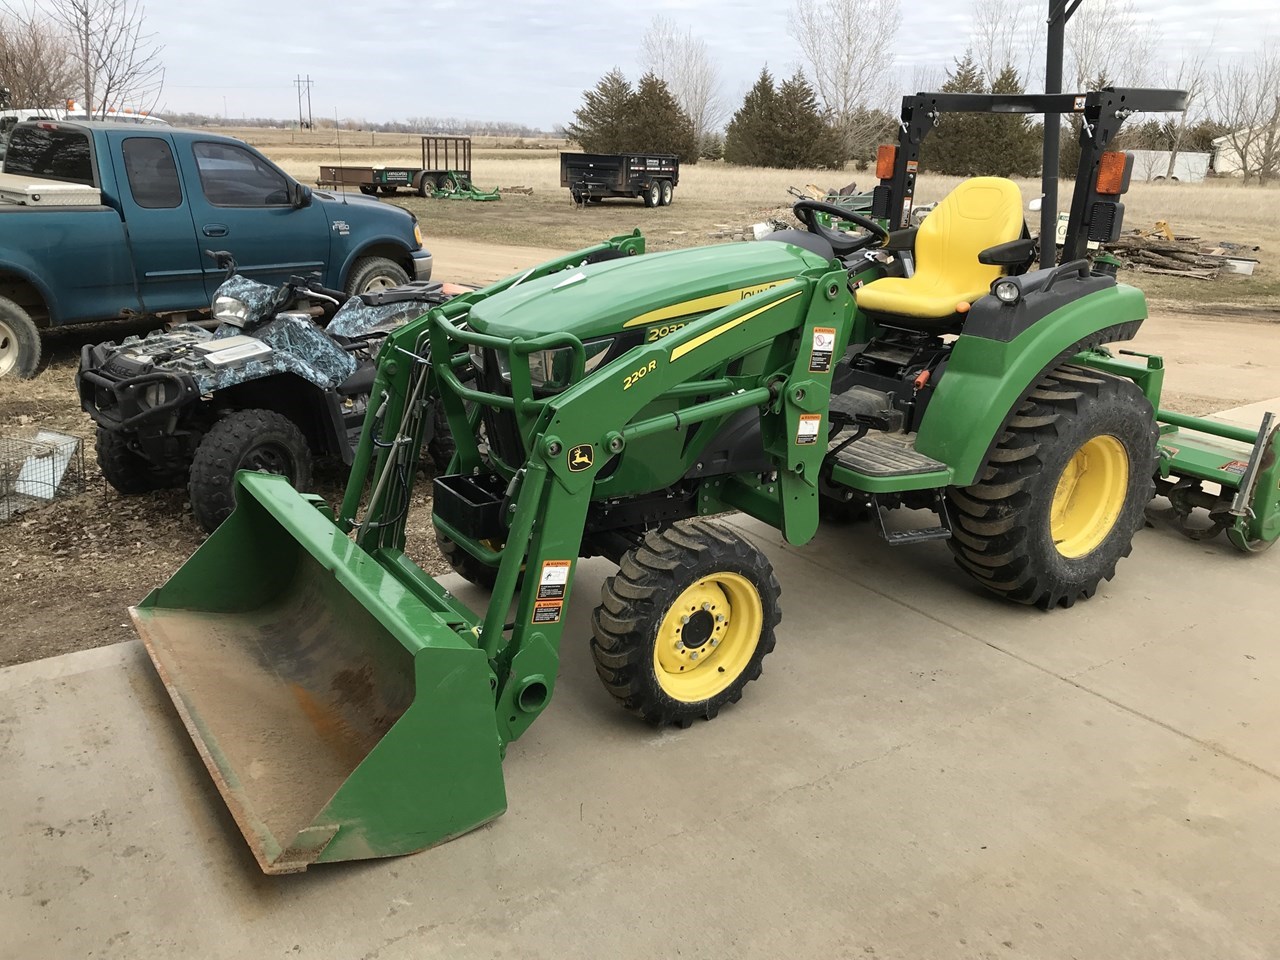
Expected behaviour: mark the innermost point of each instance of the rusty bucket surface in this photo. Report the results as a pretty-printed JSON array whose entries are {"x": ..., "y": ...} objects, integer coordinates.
[{"x": 338, "y": 706}]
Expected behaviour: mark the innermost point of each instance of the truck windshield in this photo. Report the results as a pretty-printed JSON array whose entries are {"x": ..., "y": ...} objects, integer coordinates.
[{"x": 51, "y": 153}]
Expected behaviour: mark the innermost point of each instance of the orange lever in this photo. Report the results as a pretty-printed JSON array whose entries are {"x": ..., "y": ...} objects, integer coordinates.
[{"x": 921, "y": 379}]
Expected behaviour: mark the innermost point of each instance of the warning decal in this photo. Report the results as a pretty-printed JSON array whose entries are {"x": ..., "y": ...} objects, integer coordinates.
[
  {"x": 824, "y": 345},
  {"x": 810, "y": 424},
  {"x": 547, "y": 611},
  {"x": 1238, "y": 467},
  {"x": 555, "y": 576}
]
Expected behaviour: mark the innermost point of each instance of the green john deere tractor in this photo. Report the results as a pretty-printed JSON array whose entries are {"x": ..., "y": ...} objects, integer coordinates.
[{"x": 606, "y": 403}]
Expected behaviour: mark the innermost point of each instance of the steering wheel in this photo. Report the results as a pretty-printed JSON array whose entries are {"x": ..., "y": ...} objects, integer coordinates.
[{"x": 876, "y": 235}]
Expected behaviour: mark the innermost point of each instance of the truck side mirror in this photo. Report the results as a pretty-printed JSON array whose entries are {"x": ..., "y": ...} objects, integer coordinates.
[{"x": 300, "y": 196}]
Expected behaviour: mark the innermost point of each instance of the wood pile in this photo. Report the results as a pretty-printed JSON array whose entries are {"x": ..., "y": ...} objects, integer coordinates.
[{"x": 1161, "y": 251}]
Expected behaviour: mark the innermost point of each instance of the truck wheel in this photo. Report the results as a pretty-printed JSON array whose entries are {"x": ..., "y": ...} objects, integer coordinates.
[
  {"x": 260, "y": 440},
  {"x": 1064, "y": 492},
  {"x": 368, "y": 189},
  {"x": 129, "y": 472},
  {"x": 426, "y": 186},
  {"x": 668, "y": 193},
  {"x": 374, "y": 273},
  {"x": 653, "y": 196},
  {"x": 19, "y": 342},
  {"x": 686, "y": 623}
]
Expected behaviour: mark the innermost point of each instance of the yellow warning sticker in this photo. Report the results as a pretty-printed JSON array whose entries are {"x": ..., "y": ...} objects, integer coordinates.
[
  {"x": 547, "y": 611},
  {"x": 554, "y": 580},
  {"x": 810, "y": 425}
]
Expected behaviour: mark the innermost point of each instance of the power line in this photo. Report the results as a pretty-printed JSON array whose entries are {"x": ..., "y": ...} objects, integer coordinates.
[{"x": 304, "y": 85}]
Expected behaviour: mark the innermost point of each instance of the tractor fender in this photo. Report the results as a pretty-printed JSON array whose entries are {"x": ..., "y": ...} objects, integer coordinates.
[{"x": 986, "y": 380}]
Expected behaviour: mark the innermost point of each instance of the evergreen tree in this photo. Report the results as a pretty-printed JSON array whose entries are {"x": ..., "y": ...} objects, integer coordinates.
[
  {"x": 1016, "y": 143},
  {"x": 953, "y": 147},
  {"x": 752, "y": 134},
  {"x": 982, "y": 144},
  {"x": 604, "y": 122},
  {"x": 804, "y": 138},
  {"x": 657, "y": 124}
]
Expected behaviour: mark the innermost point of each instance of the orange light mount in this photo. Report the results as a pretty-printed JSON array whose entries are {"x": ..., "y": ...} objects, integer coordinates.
[
  {"x": 886, "y": 160},
  {"x": 1113, "y": 173}
]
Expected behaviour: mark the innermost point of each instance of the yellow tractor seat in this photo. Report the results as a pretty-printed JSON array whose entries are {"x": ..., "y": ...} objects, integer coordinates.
[{"x": 980, "y": 213}]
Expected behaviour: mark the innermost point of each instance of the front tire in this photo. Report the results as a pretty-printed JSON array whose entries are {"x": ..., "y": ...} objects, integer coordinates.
[
  {"x": 129, "y": 472},
  {"x": 426, "y": 186},
  {"x": 1064, "y": 493},
  {"x": 244, "y": 440},
  {"x": 653, "y": 196},
  {"x": 686, "y": 623},
  {"x": 374, "y": 273},
  {"x": 19, "y": 342}
]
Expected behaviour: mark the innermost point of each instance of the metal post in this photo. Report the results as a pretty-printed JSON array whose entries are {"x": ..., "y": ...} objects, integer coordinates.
[{"x": 1052, "y": 130}]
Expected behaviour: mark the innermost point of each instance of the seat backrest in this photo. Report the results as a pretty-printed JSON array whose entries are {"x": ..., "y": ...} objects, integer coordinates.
[{"x": 981, "y": 212}]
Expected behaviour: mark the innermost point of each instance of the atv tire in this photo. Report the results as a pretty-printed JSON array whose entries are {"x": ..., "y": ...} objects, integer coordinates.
[
  {"x": 19, "y": 342},
  {"x": 244, "y": 440},
  {"x": 1064, "y": 492},
  {"x": 374, "y": 273},
  {"x": 129, "y": 472},
  {"x": 686, "y": 623}
]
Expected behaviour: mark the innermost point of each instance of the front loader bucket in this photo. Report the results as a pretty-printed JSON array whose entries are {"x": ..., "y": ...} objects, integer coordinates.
[{"x": 338, "y": 706}]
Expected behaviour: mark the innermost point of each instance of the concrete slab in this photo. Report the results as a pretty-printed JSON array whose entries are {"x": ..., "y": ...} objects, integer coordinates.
[{"x": 921, "y": 772}]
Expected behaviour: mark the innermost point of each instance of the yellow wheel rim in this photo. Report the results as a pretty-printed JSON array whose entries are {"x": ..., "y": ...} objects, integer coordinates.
[
  {"x": 1089, "y": 496},
  {"x": 707, "y": 637}
]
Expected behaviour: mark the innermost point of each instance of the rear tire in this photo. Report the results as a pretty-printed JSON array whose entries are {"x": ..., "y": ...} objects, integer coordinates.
[
  {"x": 668, "y": 193},
  {"x": 426, "y": 186},
  {"x": 686, "y": 623},
  {"x": 374, "y": 273},
  {"x": 19, "y": 342},
  {"x": 1064, "y": 493},
  {"x": 653, "y": 196},
  {"x": 129, "y": 472},
  {"x": 244, "y": 440}
]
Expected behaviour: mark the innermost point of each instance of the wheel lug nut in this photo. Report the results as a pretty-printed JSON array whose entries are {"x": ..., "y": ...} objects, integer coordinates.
[
  {"x": 715, "y": 641},
  {"x": 684, "y": 620},
  {"x": 706, "y": 607},
  {"x": 679, "y": 644},
  {"x": 693, "y": 655},
  {"x": 719, "y": 618}
]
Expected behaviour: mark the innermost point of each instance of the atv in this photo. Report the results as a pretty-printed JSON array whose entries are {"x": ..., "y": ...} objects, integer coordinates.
[{"x": 283, "y": 379}]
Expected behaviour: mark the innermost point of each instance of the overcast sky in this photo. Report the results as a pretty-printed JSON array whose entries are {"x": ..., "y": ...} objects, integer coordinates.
[{"x": 529, "y": 61}]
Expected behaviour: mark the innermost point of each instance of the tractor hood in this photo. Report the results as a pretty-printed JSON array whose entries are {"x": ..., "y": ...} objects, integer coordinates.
[{"x": 601, "y": 299}]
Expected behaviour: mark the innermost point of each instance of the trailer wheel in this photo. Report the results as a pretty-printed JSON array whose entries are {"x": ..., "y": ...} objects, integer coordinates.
[
  {"x": 260, "y": 440},
  {"x": 653, "y": 195},
  {"x": 686, "y": 623},
  {"x": 1064, "y": 493},
  {"x": 19, "y": 342},
  {"x": 668, "y": 193},
  {"x": 448, "y": 183},
  {"x": 368, "y": 189},
  {"x": 374, "y": 273},
  {"x": 387, "y": 189},
  {"x": 426, "y": 186},
  {"x": 126, "y": 470}
]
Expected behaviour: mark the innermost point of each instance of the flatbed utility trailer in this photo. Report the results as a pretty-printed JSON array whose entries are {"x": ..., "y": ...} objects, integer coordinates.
[
  {"x": 591, "y": 177},
  {"x": 446, "y": 163}
]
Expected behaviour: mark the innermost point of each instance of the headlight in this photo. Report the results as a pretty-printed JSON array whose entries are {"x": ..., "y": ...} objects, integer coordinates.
[
  {"x": 417, "y": 234},
  {"x": 230, "y": 310},
  {"x": 551, "y": 368},
  {"x": 1007, "y": 291}
]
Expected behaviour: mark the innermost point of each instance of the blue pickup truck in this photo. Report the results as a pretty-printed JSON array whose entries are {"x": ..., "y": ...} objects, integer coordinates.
[{"x": 103, "y": 220}]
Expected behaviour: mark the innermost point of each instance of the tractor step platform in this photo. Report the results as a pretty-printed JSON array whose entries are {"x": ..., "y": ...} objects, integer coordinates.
[
  {"x": 884, "y": 456},
  {"x": 903, "y": 538}
]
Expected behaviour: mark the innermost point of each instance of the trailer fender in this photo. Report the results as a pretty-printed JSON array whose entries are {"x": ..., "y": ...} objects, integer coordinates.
[{"x": 986, "y": 380}]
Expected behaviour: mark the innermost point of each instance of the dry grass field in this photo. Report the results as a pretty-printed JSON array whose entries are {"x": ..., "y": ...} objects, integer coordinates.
[{"x": 712, "y": 196}]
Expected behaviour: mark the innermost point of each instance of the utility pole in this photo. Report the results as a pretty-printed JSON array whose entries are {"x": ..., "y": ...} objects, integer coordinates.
[
  {"x": 302, "y": 85},
  {"x": 1060, "y": 12}
]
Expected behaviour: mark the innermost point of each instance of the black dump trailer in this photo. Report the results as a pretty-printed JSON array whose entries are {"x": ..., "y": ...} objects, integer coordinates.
[{"x": 593, "y": 176}]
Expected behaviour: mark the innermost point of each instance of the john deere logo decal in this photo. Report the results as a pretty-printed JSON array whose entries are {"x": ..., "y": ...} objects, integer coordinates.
[{"x": 581, "y": 457}]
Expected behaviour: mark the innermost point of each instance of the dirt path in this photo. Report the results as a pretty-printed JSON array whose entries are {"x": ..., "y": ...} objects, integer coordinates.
[{"x": 68, "y": 571}]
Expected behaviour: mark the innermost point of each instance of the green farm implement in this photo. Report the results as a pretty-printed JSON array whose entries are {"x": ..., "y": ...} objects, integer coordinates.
[
  {"x": 456, "y": 185},
  {"x": 613, "y": 404}
]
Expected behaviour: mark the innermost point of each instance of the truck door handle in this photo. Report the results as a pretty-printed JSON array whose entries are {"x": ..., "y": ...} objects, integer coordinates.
[{"x": 215, "y": 229}]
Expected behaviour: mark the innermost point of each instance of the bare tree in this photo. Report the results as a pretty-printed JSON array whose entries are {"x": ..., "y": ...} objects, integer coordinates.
[
  {"x": 1006, "y": 33},
  {"x": 1246, "y": 101},
  {"x": 1191, "y": 75},
  {"x": 844, "y": 44},
  {"x": 684, "y": 63},
  {"x": 34, "y": 60},
  {"x": 1107, "y": 39},
  {"x": 116, "y": 59}
]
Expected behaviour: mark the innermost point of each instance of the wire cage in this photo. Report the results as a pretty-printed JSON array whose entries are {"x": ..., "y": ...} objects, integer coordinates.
[{"x": 34, "y": 472}]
